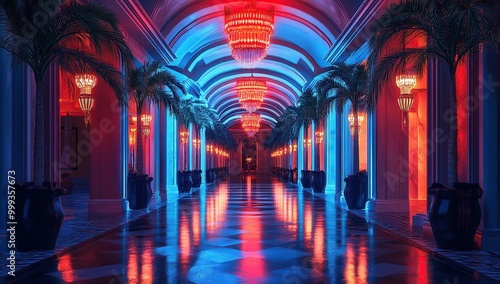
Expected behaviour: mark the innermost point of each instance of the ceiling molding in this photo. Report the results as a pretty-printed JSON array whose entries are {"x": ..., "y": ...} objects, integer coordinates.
[
  {"x": 358, "y": 22},
  {"x": 141, "y": 19}
]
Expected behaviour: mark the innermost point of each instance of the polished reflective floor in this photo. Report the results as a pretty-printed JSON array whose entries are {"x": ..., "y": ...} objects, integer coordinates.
[{"x": 247, "y": 230}]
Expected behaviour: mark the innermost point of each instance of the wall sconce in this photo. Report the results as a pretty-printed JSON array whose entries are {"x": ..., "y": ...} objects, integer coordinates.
[
  {"x": 307, "y": 142},
  {"x": 146, "y": 121},
  {"x": 350, "y": 117},
  {"x": 319, "y": 136},
  {"x": 85, "y": 82},
  {"x": 406, "y": 83},
  {"x": 184, "y": 137}
]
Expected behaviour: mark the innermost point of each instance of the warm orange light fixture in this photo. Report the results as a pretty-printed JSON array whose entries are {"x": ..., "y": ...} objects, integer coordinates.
[
  {"x": 146, "y": 121},
  {"x": 318, "y": 135},
  {"x": 250, "y": 122},
  {"x": 249, "y": 33},
  {"x": 251, "y": 93},
  {"x": 406, "y": 83},
  {"x": 350, "y": 117},
  {"x": 184, "y": 137},
  {"x": 85, "y": 82}
]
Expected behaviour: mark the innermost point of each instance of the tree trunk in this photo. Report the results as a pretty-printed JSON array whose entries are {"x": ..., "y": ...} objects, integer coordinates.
[
  {"x": 306, "y": 152},
  {"x": 356, "y": 142},
  {"x": 39, "y": 171},
  {"x": 139, "y": 141},
  {"x": 452, "y": 140}
]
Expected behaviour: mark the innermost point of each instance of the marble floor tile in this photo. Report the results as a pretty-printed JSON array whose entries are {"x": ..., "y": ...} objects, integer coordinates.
[{"x": 262, "y": 231}]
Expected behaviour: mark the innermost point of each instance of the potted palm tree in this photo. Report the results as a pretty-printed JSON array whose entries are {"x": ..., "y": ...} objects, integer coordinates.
[
  {"x": 287, "y": 129},
  {"x": 61, "y": 39},
  {"x": 196, "y": 111},
  {"x": 221, "y": 135},
  {"x": 350, "y": 81},
  {"x": 453, "y": 29},
  {"x": 308, "y": 113},
  {"x": 145, "y": 85}
]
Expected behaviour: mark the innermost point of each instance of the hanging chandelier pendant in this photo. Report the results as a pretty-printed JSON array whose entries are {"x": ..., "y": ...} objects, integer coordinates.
[
  {"x": 249, "y": 33},
  {"x": 250, "y": 122},
  {"x": 251, "y": 93}
]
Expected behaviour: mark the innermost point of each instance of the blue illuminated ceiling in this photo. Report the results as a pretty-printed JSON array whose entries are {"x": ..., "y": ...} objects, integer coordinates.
[{"x": 193, "y": 32}]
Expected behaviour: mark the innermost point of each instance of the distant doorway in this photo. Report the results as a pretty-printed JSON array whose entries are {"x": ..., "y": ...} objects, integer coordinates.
[{"x": 249, "y": 154}]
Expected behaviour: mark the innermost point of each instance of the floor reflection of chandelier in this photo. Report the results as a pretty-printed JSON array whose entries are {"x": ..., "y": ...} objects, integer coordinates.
[
  {"x": 249, "y": 33},
  {"x": 250, "y": 122},
  {"x": 251, "y": 93}
]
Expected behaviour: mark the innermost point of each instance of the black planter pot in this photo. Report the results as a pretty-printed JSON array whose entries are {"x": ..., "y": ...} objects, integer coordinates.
[
  {"x": 305, "y": 179},
  {"x": 139, "y": 191},
  {"x": 356, "y": 190},
  {"x": 454, "y": 214},
  {"x": 39, "y": 216},
  {"x": 319, "y": 181},
  {"x": 187, "y": 182},
  {"x": 196, "y": 176}
]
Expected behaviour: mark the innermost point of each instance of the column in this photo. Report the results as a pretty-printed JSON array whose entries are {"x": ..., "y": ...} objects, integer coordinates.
[
  {"x": 331, "y": 157},
  {"x": 313, "y": 146},
  {"x": 163, "y": 149},
  {"x": 300, "y": 155},
  {"x": 392, "y": 153},
  {"x": 105, "y": 134},
  {"x": 346, "y": 146},
  {"x": 190, "y": 154},
  {"x": 372, "y": 161},
  {"x": 155, "y": 156},
  {"x": 489, "y": 154},
  {"x": 171, "y": 153},
  {"x": 203, "y": 156},
  {"x": 124, "y": 150},
  {"x": 6, "y": 137}
]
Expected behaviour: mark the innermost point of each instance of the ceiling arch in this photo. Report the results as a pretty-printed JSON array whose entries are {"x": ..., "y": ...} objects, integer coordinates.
[{"x": 305, "y": 30}]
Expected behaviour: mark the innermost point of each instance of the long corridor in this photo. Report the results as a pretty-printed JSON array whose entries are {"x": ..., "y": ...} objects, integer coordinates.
[{"x": 250, "y": 229}]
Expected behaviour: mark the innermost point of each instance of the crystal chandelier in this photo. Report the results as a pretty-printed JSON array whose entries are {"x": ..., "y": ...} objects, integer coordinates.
[
  {"x": 350, "y": 117},
  {"x": 85, "y": 82},
  {"x": 250, "y": 122},
  {"x": 251, "y": 93},
  {"x": 249, "y": 32}
]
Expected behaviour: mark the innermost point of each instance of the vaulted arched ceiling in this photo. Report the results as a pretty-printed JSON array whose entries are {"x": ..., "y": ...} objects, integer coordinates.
[{"x": 305, "y": 31}]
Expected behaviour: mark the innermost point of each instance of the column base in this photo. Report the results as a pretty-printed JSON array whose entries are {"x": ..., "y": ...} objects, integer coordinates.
[
  {"x": 172, "y": 189},
  {"x": 330, "y": 189},
  {"x": 491, "y": 240},
  {"x": 392, "y": 205},
  {"x": 370, "y": 205},
  {"x": 107, "y": 205}
]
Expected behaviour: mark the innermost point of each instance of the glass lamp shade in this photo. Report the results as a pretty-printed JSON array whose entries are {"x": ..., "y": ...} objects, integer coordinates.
[
  {"x": 85, "y": 82},
  {"x": 146, "y": 130},
  {"x": 406, "y": 83},
  {"x": 146, "y": 119},
  {"x": 405, "y": 102}
]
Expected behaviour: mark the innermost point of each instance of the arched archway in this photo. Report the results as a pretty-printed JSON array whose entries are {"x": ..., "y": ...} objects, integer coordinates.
[{"x": 249, "y": 155}]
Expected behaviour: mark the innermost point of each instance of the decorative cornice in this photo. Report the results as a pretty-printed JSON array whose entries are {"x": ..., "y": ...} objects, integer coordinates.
[
  {"x": 357, "y": 23},
  {"x": 141, "y": 19}
]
